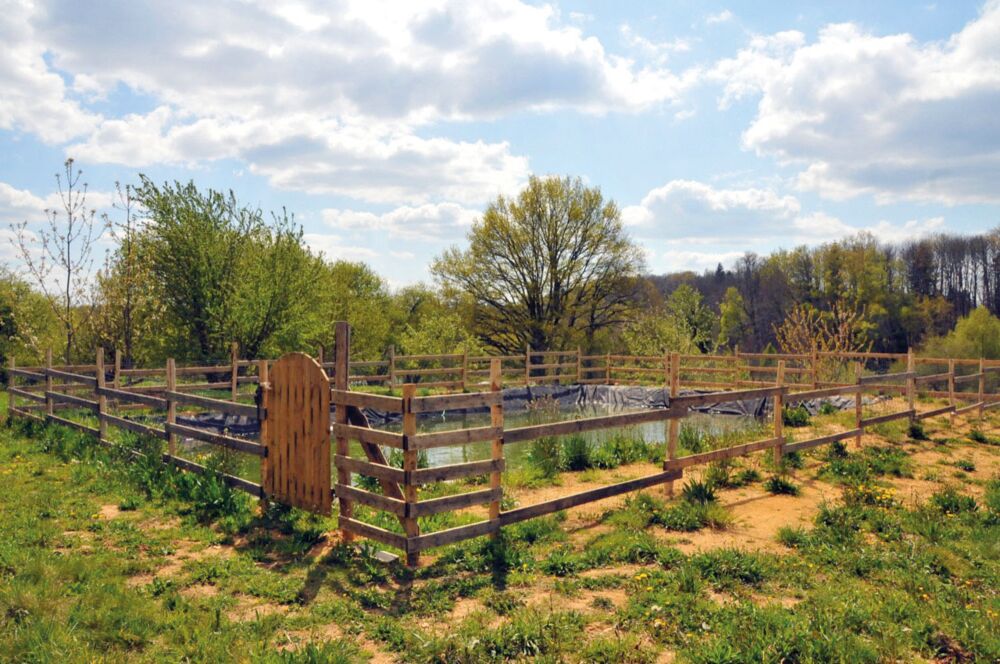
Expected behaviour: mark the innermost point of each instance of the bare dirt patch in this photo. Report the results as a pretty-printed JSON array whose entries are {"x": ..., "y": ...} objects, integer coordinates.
[{"x": 109, "y": 511}]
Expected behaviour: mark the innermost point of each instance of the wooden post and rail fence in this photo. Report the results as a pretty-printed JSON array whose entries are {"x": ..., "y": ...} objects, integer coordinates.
[{"x": 296, "y": 392}]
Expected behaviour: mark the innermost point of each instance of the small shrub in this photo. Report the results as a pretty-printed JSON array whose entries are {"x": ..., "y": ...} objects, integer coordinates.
[
  {"x": 916, "y": 430},
  {"x": 827, "y": 408},
  {"x": 795, "y": 416},
  {"x": 576, "y": 453},
  {"x": 837, "y": 450},
  {"x": 731, "y": 567},
  {"x": 794, "y": 537},
  {"x": 978, "y": 436},
  {"x": 966, "y": 464},
  {"x": 868, "y": 495},
  {"x": 950, "y": 501},
  {"x": 698, "y": 493},
  {"x": 746, "y": 476},
  {"x": 545, "y": 456},
  {"x": 562, "y": 562},
  {"x": 779, "y": 485},
  {"x": 691, "y": 438}
]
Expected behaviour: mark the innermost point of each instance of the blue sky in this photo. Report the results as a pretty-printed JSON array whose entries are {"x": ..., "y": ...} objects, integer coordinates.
[{"x": 387, "y": 127}]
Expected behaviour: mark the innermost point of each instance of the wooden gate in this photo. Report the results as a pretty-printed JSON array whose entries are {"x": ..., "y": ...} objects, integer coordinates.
[{"x": 296, "y": 431}]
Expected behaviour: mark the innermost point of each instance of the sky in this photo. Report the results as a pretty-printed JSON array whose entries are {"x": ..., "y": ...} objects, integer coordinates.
[{"x": 387, "y": 127}]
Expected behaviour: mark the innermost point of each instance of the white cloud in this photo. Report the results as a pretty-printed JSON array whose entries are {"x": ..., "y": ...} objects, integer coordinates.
[
  {"x": 444, "y": 221},
  {"x": 658, "y": 52},
  {"x": 316, "y": 98},
  {"x": 720, "y": 17},
  {"x": 723, "y": 223},
  {"x": 333, "y": 247},
  {"x": 881, "y": 115}
]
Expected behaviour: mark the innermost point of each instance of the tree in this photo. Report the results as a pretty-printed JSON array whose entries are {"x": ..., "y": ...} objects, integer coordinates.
[
  {"x": 223, "y": 274},
  {"x": 546, "y": 268},
  {"x": 28, "y": 325},
  {"x": 657, "y": 333},
  {"x": 976, "y": 335},
  {"x": 61, "y": 265},
  {"x": 838, "y": 330},
  {"x": 733, "y": 320},
  {"x": 686, "y": 307}
]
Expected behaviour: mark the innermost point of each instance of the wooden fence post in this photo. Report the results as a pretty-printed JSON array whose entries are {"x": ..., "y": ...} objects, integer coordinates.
[
  {"x": 321, "y": 357},
  {"x": 579, "y": 365},
  {"x": 50, "y": 406},
  {"x": 409, "y": 466},
  {"x": 496, "y": 420},
  {"x": 10, "y": 383},
  {"x": 392, "y": 368},
  {"x": 102, "y": 401},
  {"x": 911, "y": 385},
  {"x": 341, "y": 369},
  {"x": 982, "y": 387},
  {"x": 951, "y": 390},
  {"x": 779, "y": 413},
  {"x": 607, "y": 368},
  {"x": 117, "y": 382},
  {"x": 171, "y": 407},
  {"x": 465, "y": 368},
  {"x": 265, "y": 432},
  {"x": 234, "y": 356},
  {"x": 674, "y": 423},
  {"x": 814, "y": 367},
  {"x": 738, "y": 370},
  {"x": 858, "y": 412},
  {"x": 527, "y": 364}
]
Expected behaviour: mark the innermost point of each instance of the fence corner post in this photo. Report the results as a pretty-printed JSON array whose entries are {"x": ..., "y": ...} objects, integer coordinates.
[
  {"x": 779, "y": 413},
  {"x": 496, "y": 420},
  {"x": 171, "y": 408},
  {"x": 50, "y": 406},
  {"x": 265, "y": 433},
  {"x": 858, "y": 412},
  {"x": 410, "y": 457},
  {"x": 116, "y": 382},
  {"x": 102, "y": 401}
]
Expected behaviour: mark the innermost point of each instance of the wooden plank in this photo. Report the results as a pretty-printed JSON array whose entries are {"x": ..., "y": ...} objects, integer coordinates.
[
  {"x": 690, "y": 401},
  {"x": 455, "y": 502},
  {"x": 25, "y": 394},
  {"x": 73, "y": 425},
  {"x": 904, "y": 375},
  {"x": 20, "y": 412},
  {"x": 374, "y": 378},
  {"x": 431, "y": 371},
  {"x": 426, "y": 441},
  {"x": 136, "y": 427},
  {"x": 455, "y": 471},
  {"x": 798, "y": 397},
  {"x": 519, "y": 434},
  {"x": 80, "y": 402},
  {"x": 967, "y": 377},
  {"x": 363, "y": 400},
  {"x": 935, "y": 412},
  {"x": 583, "y": 497},
  {"x": 889, "y": 417},
  {"x": 452, "y": 535},
  {"x": 410, "y": 525},
  {"x": 370, "y": 365},
  {"x": 967, "y": 409},
  {"x": 376, "y": 470},
  {"x": 722, "y": 453},
  {"x": 126, "y": 395},
  {"x": 425, "y": 358},
  {"x": 448, "y": 384},
  {"x": 214, "y": 404},
  {"x": 231, "y": 480},
  {"x": 371, "y": 532},
  {"x": 342, "y": 358},
  {"x": 24, "y": 373},
  {"x": 72, "y": 377},
  {"x": 219, "y": 439},
  {"x": 367, "y": 435},
  {"x": 816, "y": 442},
  {"x": 445, "y": 402},
  {"x": 378, "y": 501}
]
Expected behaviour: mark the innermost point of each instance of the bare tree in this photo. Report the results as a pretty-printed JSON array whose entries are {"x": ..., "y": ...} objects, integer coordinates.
[
  {"x": 62, "y": 264},
  {"x": 125, "y": 270}
]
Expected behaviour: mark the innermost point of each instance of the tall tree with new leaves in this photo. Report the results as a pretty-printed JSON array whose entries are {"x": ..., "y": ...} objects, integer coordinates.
[
  {"x": 548, "y": 268},
  {"x": 59, "y": 257}
]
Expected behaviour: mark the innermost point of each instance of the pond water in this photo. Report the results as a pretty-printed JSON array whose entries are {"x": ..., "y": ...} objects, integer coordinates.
[{"x": 247, "y": 466}]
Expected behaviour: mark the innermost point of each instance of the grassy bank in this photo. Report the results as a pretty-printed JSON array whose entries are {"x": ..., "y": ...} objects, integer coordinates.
[{"x": 890, "y": 553}]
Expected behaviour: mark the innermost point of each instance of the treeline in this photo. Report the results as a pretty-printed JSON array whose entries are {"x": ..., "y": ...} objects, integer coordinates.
[{"x": 193, "y": 271}]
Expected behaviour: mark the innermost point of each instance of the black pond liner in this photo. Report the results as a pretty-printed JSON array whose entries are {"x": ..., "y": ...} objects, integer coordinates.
[{"x": 565, "y": 397}]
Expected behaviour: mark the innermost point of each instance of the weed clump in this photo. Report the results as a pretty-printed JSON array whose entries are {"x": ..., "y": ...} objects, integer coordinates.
[{"x": 780, "y": 485}]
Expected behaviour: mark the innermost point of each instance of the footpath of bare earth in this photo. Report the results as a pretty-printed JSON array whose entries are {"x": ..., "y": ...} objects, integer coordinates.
[{"x": 891, "y": 553}]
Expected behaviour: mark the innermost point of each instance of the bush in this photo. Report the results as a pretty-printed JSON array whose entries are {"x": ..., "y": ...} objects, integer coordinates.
[
  {"x": 916, "y": 430},
  {"x": 795, "y": 416},
  {"x": 576, "y": 453},
  {"x": 827, "y": 408},
  {"x": 950, "y": 501},
  {"x": 794, "y": 537},
  {"x": 777, "y": 484},
  {"x": 698, "y": 493},
  {"x": 545, "y": 456},
  {"x": 978, "y": 436}
]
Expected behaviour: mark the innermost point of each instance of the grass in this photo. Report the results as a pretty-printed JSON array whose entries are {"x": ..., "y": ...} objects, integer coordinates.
[{"x": 107, "y": 560}]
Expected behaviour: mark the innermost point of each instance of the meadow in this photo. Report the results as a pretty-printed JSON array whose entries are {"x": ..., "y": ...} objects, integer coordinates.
[{"x": 886, "y": 553}]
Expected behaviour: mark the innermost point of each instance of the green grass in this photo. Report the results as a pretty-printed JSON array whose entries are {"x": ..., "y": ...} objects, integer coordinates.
[{"x": 103, "y": 559}]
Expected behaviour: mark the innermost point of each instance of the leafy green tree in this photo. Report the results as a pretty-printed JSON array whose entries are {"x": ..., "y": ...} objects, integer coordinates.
[
  {"x": 657, "y": 333},
  {"x": 547, "y": 268},
  {"x": 28, "y": 325},
  {"x": 733, "y": 319},
  {"x": 224, "y": 274},
  {"x": 686, "y": 308},
  {"x": 976, "y": 335}
]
